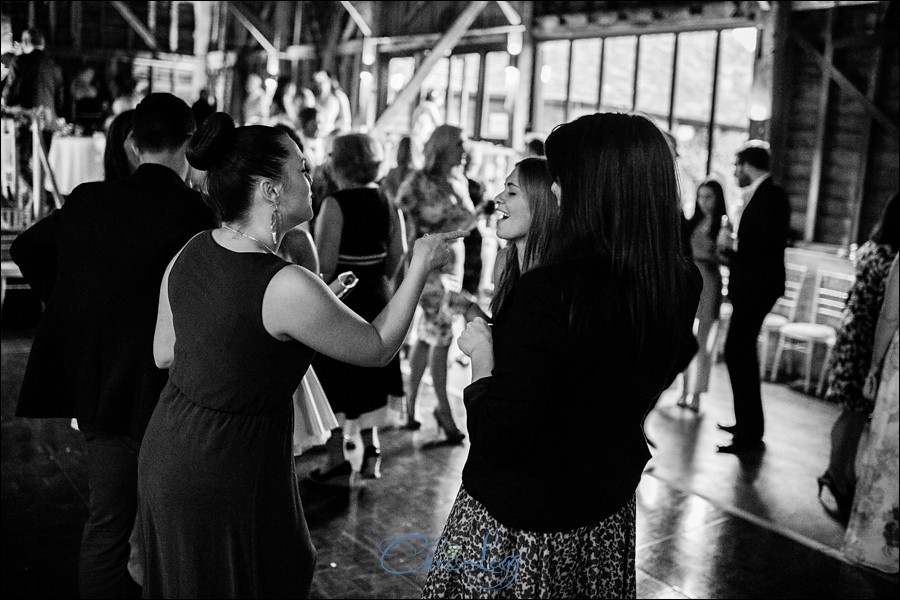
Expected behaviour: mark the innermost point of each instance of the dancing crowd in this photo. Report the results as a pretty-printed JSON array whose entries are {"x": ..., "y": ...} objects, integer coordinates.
[{"x": 231, "y": 295}]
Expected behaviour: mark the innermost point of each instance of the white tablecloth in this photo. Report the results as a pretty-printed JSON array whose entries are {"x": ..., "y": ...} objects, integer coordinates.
[{"x": 76, "y": 160}]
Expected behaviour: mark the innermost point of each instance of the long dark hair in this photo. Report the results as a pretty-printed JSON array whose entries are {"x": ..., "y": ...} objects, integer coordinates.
[
  {"x": 719, "y": 209},
  {"x": 115, "y": 158},
  {"x": 887, "y": 231},
  {"x": 620, "y": 203},
  {"x": 534, "y": 183},
  {"x": 235, "y": 159}
]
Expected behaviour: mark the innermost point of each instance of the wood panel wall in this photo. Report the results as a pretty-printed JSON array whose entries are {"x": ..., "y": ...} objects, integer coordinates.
[{"x": 839, "y": 162}]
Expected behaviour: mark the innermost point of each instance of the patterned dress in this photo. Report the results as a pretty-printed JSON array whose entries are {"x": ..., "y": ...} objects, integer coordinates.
[
  {"x": 853, "y": 348},
  {"x": 873, "y": 534},
  {"x": 433, "y": 205},
  {"x": 512, "y": 563}
]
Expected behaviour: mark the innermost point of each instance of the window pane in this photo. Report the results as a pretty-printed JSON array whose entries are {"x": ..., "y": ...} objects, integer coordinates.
[
  {"x": 463, "y": 91},
  {"x": 400, "y": 71},
  {"x": 437, "y": 81},
  {"x": 732, "y": 109},
  {"x": 554, "y": 73},
  {"x": 498, "y": 84},
  {"x": 618, "y": 72},
  {"x": 585, "y": 91},
  {"x": 655, "y": 76},
  {"x": 693, "y": 103}
]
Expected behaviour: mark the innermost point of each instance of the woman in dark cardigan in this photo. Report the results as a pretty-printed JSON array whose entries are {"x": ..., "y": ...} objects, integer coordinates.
[{"x": 574, "y": 359}]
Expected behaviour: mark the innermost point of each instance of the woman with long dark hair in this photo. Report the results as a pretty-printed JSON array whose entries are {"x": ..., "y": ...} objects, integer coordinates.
[
  {"x": 574, "y": 358},
  {"x": 120, "y": 158},
  {"x": 702, "y": 229}
]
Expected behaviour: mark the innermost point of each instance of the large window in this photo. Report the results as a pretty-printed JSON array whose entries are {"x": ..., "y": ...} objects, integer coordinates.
[
  {"x": 462, "y": 101},
  {"x": 708, "y": 113}
]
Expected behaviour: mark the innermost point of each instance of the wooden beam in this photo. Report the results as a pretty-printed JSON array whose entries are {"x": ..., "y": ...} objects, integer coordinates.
[
  {"x": 845, "y": 84},
  {"x": 223, "y": 26},
  {"x": 135, "y": 24},
  {"x": 357, "y": 18},
  {"x": 711, "y": 129},
  {"x": 446, "y": 43},
  {"x": 173, "y": 25},
  {"x": 260, "y": 31},
  {"x": 776, "y": 42},
  {"x": 818, "y": 159},
  {"x": 298, "y": 23},
  {"x": 510, "y": 12},
  {"x": 861, "y": 172}
]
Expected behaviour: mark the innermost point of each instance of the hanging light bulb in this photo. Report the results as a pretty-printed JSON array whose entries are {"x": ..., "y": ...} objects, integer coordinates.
[{"x": 514, "y": 42}]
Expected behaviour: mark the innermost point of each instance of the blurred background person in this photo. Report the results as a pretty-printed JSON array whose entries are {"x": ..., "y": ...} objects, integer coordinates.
[
  {"x": 283, "y": 108},
  {"x": 358, "y": 230},
  {"x": 702, "y": 230},
  {"x": 331, "y": 101},
  {"x": 256, "y": 103},
  {"x": 34, "y": 82},
  {"x": 120, "y": 157},
  {"x": 436, "y": 199},
  {"x": 390, "y": 185},
  {"x": 425, "y": 119},
  {"x": 88, "y": 105},
  {"x": 204, "y": 107},
  {"x": 313, "y": 145}
]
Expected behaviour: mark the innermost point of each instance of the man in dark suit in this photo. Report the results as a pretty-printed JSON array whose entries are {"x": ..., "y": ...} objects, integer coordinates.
[
  {"x": 756, "y": 280},
  {"x": 34, "y": 82},
  {"x": 98, "y": 263}
]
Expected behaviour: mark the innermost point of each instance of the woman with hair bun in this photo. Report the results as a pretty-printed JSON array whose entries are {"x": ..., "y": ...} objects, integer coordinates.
[{"x": 220, "y": 512}]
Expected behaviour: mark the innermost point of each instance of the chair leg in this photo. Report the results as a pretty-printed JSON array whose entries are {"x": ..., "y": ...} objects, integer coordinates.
[
  {"x": 823, "y": 373},
  {"x": 810, "y": 350},
  {"x": 776, "y": 363}
]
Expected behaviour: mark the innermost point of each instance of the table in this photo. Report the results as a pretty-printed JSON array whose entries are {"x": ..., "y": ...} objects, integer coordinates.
[{"x": 76, "y": 160}]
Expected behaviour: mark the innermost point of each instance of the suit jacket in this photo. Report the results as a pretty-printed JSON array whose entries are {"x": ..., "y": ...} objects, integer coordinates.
[
  {"x": 34, "y": 80},
  {"x": 98, "y": 263},
  {"x": 757, "y": 268}
]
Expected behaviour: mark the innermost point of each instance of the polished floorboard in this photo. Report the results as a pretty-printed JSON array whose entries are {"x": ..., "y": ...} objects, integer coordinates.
[{"x": 708, "y": 525}]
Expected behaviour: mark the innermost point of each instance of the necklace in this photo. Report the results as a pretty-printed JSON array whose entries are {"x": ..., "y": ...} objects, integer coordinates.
[{"x": 249, "y": 237}]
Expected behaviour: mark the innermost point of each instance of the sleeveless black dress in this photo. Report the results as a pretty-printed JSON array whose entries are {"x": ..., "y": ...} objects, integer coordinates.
[
  {"x": 365, "y": 238},
  {"x": 219, "y": 507}
]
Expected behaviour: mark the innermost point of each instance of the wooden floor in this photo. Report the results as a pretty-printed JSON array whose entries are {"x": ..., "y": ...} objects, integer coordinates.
[{"x": 708, "y": 525}]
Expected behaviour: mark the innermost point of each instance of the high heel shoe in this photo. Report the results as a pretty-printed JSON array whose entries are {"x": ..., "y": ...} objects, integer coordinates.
[
  {"x": 844, "y": 502},
  {"x": 411, "y": 425},
  {"x": 454, "y": 436},
  {"x": 371, "y": 464}
]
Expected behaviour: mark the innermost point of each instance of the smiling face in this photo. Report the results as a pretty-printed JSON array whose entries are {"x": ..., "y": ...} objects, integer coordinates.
[{"x": 514, "y": 210}]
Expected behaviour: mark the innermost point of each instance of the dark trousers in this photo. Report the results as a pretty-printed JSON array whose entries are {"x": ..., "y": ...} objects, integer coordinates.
[
  {"x": 742, "y": 360},
  {"x": 112, "y": 478}
]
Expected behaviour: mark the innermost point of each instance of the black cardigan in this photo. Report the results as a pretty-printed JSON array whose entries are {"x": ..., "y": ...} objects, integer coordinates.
[
  {"x": 556, "y": 438},
  {"x": 98, "y": 263}
]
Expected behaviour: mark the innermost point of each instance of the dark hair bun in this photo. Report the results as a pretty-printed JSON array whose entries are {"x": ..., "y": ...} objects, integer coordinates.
[{"x": 211, "y": 143}]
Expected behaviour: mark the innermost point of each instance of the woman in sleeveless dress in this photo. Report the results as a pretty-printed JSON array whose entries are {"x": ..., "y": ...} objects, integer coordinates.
[
  {"x": 219, "y": 509},
  {"x": 357, "y": 230}
]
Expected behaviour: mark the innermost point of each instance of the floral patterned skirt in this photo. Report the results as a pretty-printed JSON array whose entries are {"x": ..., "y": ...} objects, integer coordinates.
[{"x": 485, "y": 559}]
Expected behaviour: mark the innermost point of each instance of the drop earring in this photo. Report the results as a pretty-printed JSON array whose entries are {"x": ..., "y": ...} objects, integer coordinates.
[{"x": 276, "y": 223}]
